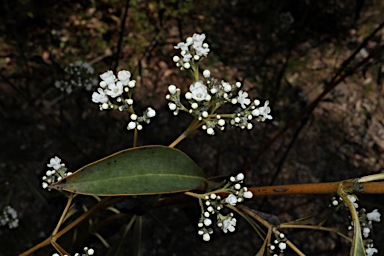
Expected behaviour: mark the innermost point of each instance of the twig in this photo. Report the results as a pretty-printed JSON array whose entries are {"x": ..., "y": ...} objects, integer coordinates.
[
  {"x": 121, "y": 35},
  {"x": 315, "y": 188}
]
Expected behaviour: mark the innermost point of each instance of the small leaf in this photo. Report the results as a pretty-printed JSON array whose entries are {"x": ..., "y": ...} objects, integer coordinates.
[{"x": 137, "y": 171}]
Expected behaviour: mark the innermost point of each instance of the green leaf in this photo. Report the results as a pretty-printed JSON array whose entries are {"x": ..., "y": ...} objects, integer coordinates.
[
  {"x": 137, "y": 171},
  {"x": 357, "y": 248}
]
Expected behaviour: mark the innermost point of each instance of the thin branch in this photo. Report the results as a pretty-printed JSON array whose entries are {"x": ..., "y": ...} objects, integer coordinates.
[
  {"x": 121, "y": 35},
  {"x": 315, "y": 188}
]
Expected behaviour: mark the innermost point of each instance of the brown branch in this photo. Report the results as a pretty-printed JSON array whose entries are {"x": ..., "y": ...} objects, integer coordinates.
[{"x": 315, "y": 188}]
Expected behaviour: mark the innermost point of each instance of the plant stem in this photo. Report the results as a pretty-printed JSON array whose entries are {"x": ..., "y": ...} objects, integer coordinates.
[
  {"x": 315, "y": 188},
  {"x": 71, "y": 225},
  {"x": 192, "y": 126},
  {"x": 334, "y": 230},
  {"x": 180, "y": 138},
  {"x": 135, "y": 135},
  {"x": 61, "y": 220}
]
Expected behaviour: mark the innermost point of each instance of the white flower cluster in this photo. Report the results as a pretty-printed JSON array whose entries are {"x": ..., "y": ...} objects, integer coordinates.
[
  {"x": 87, "y": 252},
  {"x": 205, "y": 97},
  {"x": 116, "y": 93},
  {"x": 78, "y": 74},
  {"x": 214, "y": 204},
  {"x": 58, "y": 172},
  {"x": 365, "y": 219},
  {"x": 192, "y": 50},
  {"x": 9, "y": 217},
  {"x": 279, "y": 244}
]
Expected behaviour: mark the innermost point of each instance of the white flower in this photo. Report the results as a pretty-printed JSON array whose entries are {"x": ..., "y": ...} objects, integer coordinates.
[
  {"x": 183, "y": 46},
  {"x": 99, "y": 97},
  {"x": 124, "y": 76},
  {"x": 131, "y": 125},
  {"x": 172, "y": 89},
  {"x": 210, "y": 131},
  {"x": 151, "y": 112},
  {"x": 221, "y": 122},
  {"x": 89, "y": 251},
  {"x": 206, "y": 237},
  {"x": 186, "y": 57},
  {"x": 207, "y": 222},
  {"x": 131, "y": 83},
  {"x": 206, "y": 73},
  {"x": 201, "y": 51},
  {"x": 248, "y": 194},
  {"x": 198, "y": 90},
  {"x": 240, "y": 177},
  {"x": 227, "y": 87},
  {"x": 198, "y": 40},
  {"x": 9, "y": 216},
  {"x": 172, "y": 106},
  {"x": 374, "y": 216},
  {"x": 242, "y": 99},
  {"x": 353, "y": 200},
  {"x": 366, "y": 232},
  {"x": 108, "y": 77},
  {"x": 229, "y": 225},
  {"x": 231, "y": 199},
  {"x": 371, "y": 251},
  {"x": 264, "y": 111},
  {"x": 187, "y": 65},
  {"x": 282, "y": 246},
  {"x": 115, "y": 90},
  {"x": 55, "y": 163}
]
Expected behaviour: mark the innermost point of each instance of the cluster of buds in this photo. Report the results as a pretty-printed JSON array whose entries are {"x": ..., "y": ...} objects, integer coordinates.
[
  {"x": 214, "y": 205},
  {"x": 78, "y": 74},
  {"x": 192, "y": 51},
  {"x": 58, "y": 172},
  {"x": 206, "y": 96},
  {"x": 365, "y": 219},
  {"x": 278, "y": 245},
  {"x": 116, "y": 93},
  {"x": 9, "y": 217},
  {"x": 87, "y": 252}
]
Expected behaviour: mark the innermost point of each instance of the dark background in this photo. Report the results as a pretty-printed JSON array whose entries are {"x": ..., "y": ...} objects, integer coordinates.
[{"x": 283, "y": 51}]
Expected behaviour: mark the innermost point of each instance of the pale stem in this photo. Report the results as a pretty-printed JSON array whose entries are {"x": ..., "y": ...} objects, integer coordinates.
[
  {"x": 267, "y": 225},
  {"x": 267, "y": 240},
  {"x": 63, "y": 215},
  {"x": 59, "y": 248},
  {"x": 253, "y": 224},
  {"x": 53, "y": 238},
  {"x": 192, "y": 127},
  {"x": 378, "y": 176},
  {"x": 334, "y": 230}
]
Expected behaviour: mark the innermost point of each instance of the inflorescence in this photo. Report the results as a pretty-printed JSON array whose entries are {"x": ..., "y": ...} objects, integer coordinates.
[
  {"x": 58, "y": 172},
  {"x": 208, "y": 94},
  {"x": 9, "y": 217},
  {"x": 214, "y": 205},
  {"x": 87, "y": 252},
  {"x": 366, "y": 220},
  {"x": 78, "y": 74},
  {"x": 278, "y": 245},
  {"x": 116, "y": 93}
]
